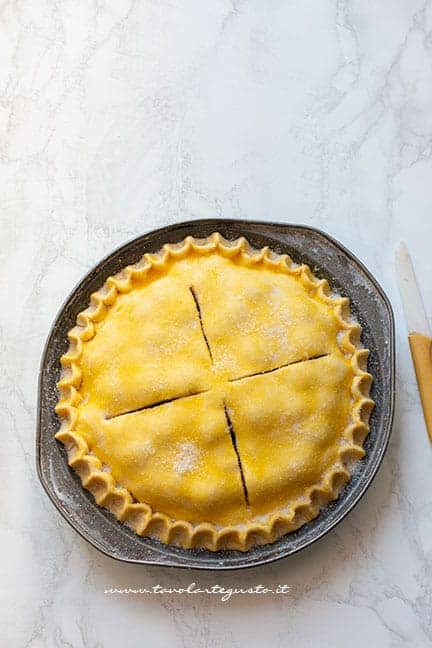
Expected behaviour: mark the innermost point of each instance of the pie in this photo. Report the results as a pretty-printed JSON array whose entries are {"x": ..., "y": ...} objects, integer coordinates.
[{"x": 214, "y": 395}]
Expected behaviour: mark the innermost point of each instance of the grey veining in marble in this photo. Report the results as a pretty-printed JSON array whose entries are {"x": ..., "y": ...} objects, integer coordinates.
[{"x": 117, "y": 117}]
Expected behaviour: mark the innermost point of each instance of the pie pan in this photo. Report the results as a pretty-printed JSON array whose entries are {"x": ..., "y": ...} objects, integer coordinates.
[{"x": 327, "y": 259}]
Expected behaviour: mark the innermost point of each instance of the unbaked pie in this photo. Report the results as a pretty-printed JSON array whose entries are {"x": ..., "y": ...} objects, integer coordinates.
[{"x": 214, "y": 395}]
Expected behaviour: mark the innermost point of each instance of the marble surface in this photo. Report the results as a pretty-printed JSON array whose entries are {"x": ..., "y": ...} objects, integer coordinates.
[{"x": 120, "y": 116}]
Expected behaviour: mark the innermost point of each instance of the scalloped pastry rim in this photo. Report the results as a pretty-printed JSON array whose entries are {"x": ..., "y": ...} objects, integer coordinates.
[{"x": 139, "y": 516}]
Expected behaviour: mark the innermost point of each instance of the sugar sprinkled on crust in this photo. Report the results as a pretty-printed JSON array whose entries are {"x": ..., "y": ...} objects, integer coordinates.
[{"x": 186, "y": 458}]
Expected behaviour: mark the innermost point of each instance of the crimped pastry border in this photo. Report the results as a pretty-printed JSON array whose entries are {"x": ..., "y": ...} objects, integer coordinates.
[{"x": 139, "y": 516}]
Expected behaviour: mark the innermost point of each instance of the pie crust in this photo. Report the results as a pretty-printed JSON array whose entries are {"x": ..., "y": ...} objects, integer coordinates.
[{"x": 214, "y": 395}]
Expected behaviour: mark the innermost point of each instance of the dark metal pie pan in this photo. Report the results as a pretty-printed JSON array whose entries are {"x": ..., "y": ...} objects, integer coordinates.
[{"x": 327, "y": 258}]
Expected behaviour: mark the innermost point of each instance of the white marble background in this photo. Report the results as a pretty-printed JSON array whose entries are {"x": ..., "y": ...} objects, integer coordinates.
[{"x": 120, "y": 116}]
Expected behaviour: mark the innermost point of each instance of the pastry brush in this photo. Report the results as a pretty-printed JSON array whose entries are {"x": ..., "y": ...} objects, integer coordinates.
[{"x": 419, "y": 333}]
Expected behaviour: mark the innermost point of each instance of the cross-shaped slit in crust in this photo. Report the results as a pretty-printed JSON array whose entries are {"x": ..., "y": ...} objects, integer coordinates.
[
  {"x": 236, "y": 450},
  {"x": 198, "y": 307},
  {"x": 157, "y": 404},
  {"x": 229, "y": 422},
  {"x": 288, "y": 364}
]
